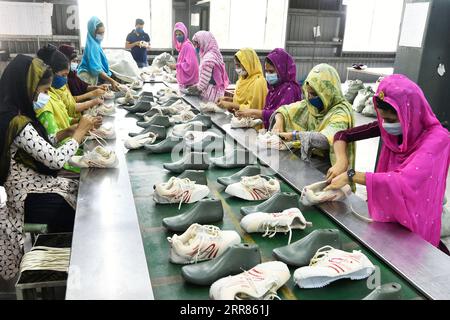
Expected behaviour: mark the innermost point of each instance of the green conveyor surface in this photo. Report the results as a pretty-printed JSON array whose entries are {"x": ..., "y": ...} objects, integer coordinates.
[{"x": 147, "y": 169}]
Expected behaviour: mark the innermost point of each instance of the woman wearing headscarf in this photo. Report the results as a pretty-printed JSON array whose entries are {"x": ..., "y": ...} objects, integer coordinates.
[
  {"x": 187, "y": 64},
  {"x": 251, "y": 87},
  {"x": 29, "y": 162},
  {"x": 312, "y": 123},
  {"x": 408, "y": 185},
  {"x": 80, "y": 90},
  {"x": 213, "y": 78},
  {"x": 94, "y": 64},
  {"x": 283, "y": 87}
]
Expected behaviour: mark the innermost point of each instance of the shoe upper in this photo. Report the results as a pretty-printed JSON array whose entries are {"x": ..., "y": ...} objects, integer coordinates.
[
  {"x": 272, "y": 141},
  {"x": 181, "y": 129},
  {"x": 210, "y": 107},
  {"x": 140, "y": 140},
  {"x": 99, "y": 157},
  {"x": 178, "y": 190},
  {"x": 314, "y": 194},
  {"x": 254, "y": 188},
  {"x": 244, "y": 122}
]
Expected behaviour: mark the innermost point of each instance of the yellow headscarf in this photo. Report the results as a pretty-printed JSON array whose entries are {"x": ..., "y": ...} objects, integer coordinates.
[
  {"x": 56, "y": 106},
  {"x": 251, "y": 91},
  {"x": 69, "y": 101}
]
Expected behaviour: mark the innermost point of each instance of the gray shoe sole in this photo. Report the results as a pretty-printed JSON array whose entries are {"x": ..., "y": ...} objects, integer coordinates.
[
  {"x": 158, "y": 120},
  {"x": 248, "y": 171},
  {"x": 388, "y": 291},
  {"x": 190, "y": 161},
  {"x": 164, "y": 146},
  {"x": 241, "y": 158},
  {"x": 278, "y": 202},
  {"x": 159, "y": 130},
  {"x": 199, "y": 176}
]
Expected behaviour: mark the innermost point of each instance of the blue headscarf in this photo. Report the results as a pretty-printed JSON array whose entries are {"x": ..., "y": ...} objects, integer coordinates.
[{"x": 94, "y": 60}]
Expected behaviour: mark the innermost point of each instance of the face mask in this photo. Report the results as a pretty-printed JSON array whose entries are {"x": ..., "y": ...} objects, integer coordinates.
[
  {"x": 393, "y": 128},
  {"x": 99, "y": 37},
  {"x": 180, "y": 39},
  {"x": 197, "y": 50},
  {"x": 316, "y": 103},
  {"x": 41, "y": 101},
  {"x": 139, "y": 30},
  {"x": 272, "y": 78},
  {"x": 73, "y": 66},
  {"x": 59, "y": 81},
  {"x": 241, "y": 72}
]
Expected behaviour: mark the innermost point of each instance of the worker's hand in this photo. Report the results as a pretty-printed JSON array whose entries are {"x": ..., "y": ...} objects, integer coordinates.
[
  {"x": 86, "y": 124},
  {"x": 247, "y": 113},
  {"x": 338, "y": 182},
  {"x": 115, "y": 86},
  {"x": 286, "y": 136},
  {"x": 104, "y": 87},
  {"x": 172, "y": 66},
  {"x": 338, "y": 168},
  {"x": 98, "y": 101},
  {"x": 98, "y": 121},
  {"x": 278, "y": 127},
  {"x": 99, "y": 92}
]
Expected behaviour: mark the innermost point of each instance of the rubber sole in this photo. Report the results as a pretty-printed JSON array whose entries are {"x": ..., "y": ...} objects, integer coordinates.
[{"x": 320, "y": 282}]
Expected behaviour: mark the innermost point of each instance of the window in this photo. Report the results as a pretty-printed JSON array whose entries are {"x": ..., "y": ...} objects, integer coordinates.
[
  {"x": 372, "y": 25},
  {"x": 119, "y": 18},
  {"x": 249, "y": 23}
]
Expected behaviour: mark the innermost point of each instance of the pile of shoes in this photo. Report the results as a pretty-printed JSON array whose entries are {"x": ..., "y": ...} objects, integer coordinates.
[
  {"x": 254, "y": 188},
  {"x": 314, "y": 194},
  {"x": 99, "y": 157},
  {"x": 244, "y": 122}
]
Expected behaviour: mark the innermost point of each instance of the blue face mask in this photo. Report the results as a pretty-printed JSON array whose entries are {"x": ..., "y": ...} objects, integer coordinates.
[
  {"x": 59, "y": 81},
  {"x": 139, "y": 30},
  {"x": 316, "y": 103},
  {"x": 180, "y": 39},
  {"x": 197, "y": 50},
  {"x": 99, "y": 37},
  {"x": 272, "y": 78},
  {"x": 393, "y": 128},
  {"x": 42, "y": 100}
]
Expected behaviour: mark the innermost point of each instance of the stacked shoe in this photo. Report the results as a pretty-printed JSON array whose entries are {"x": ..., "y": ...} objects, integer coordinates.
[
  {"x": 314, "y": 194},
  {"x": 105, "y": 132},
  {"x": 142, "y": 105},
  {"x": 270, "y": 140},
  {"x": 278, "y": 202},
  {"x": 180, "y": 130},
  {"x": 237, "y": 158},
  {"x": 272, "y": 223},
  {"x": 157, "y": 119},
  {"x": 189, "y": 161},
  {"x": 179, "y": 191},
  {"x": 259, "y": 283},
  {"x": 182, "y": 117},
  {"x": 99, "y": 157},
  {"x": 158, "y": 130},
  {"x": 248, "y": 171},
  {"x": 210, "y": 107},
  {"x": 203, "y": 141},
  {"x": 244, "y": 122},
  {"x": 139, "y": 141},
  {"x": 201, "y": 243},
  {"x": 330, "y": 264},
  {"x": 101, "y": 110},
  {"x": 254, "y": 188},
  {"x": 165, "y": 145},
  {"x": 242, "y": 256}
]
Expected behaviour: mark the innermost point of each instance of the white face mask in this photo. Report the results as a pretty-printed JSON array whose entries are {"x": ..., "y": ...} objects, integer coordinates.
[
  {"x": 73, "y": 66},
  {"x": 393, "y": 128},
  {"x": 241, "y": 72},
  {"x": 42, "y": 100}
]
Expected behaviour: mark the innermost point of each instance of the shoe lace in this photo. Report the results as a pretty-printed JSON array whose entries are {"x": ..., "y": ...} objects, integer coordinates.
[
  {"x": 269, "y": 295},
  {"x": 273, "y": 227},
  {"x": 320, "y": 254},
  {"x": 206, "y": 231},
  {"x": 251, "y": 182},
  {"x": 184, "y": 185}
]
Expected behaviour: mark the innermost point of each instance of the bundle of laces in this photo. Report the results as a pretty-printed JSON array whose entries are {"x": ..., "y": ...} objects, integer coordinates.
[{"x": 46, "y": 258}]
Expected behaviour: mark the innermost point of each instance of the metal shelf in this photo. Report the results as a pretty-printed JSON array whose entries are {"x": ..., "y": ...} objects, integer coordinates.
[
  {"x": 320, "y": 13},
  {"x": 312, "y": 43}
]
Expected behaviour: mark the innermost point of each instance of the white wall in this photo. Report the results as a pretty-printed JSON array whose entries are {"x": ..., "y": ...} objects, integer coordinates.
[{"x": 25, "y": 18}]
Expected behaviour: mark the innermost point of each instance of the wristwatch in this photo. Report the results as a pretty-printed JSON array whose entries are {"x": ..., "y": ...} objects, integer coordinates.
[{"x": 350, "y": 174}]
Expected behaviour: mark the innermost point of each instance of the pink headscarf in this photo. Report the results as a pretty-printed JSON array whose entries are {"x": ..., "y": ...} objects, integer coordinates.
[
  {"x": 409, "y": 183},
  {"x": 211, "y": 56},
  {"x": 187, "y": 64}
]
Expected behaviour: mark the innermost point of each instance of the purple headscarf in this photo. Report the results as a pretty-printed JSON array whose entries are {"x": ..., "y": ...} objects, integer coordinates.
[
  {"x": 408, "y": 185},
  {"x": 287, "y": 90},
  {"x": 187, "y": 64}
]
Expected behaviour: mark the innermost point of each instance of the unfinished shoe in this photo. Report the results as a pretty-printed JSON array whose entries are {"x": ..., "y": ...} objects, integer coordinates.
[
  {"x": 150, "y": 113},
  {"x": 140, "y": 106},
  {"x": 160, "y": 131},
  {"x": 206, "y": 211},
  {"x": 157, "y": 119},
  {"x": 254, "y": 188},
  {"x": 183, "y": 117},
  {"x": 200, "y": 243},
  {"x": 210, "y": 107},
  {"x": 330, "y": 264},
  {"x": 180, "y": 130},
  {"x": 272, "y": 223},
  {"x": 179, "y": 191},
  {"x": 137, "y": 85},
  {"x": 190, "y": 161},
  {"x": 203, "y": 141},
  {"x": 388, "y": 291},
  {"x": 248, "y": 171},
  {"x": 101, "y": 110},
  {"x": 244, "y": 122},
  {"x": 105, "y": 132},
  {"x": 109, "y": 95},
  {"x": 278, "y": 202},
  {"x": 259, "y": 283},
  {"x": 140, "y": 140},
  {"x": 164, "y": 146},
  {"x": 314, "y": 194},
  {"x": 99, "y": 157},
  {"x": 206, "y": 120},
  {"x": 271, "y": 140},
  {"x": 300, "y": 253},
  {"x": 242, "y": 256},
  {"x": 127, "y": 100},
  {"x": 199, "y": 176},
  {"x": 238, "y": 158}
]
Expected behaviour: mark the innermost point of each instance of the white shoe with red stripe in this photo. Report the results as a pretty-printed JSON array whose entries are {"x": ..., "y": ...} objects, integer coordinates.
[
  {"x": 201, "y": 243},
  {"x": 261, "y": 283},
  {"x": 254, "y": 188},
  {"x": 179, "y": 191},
  {"x": 329, "y": 264},
  {"x": 272, "y": 223}
]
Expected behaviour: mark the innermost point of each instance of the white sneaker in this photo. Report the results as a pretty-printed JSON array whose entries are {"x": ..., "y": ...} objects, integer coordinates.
[
  {"x": 182, "y": 117},
  {"x": 180, "y": 130},
  {"x": 177, "y": 108},
  {"x": 105, "y": 132},
  {"x": 271, "y": 140},
  {"x": 244, "y": 122},
  {"x": 314, "y": 194},
  {"x": 140, "y": 140},
  {"x": 137, "y": 85},
  {"x": 109, "y": 95},
  {"x": 210, "y": 107},
  {"x": 128, "y": 99},
  {"x": 199, "y": 140},
  {"x": 254, "y": 188},
  {"x": 99, "y": 157},
  {"x": 179, "y": 191},
  {"x": 329, "y": 264},
  {"x": 261, "y": 282},
  {"x": 271, "y": 223},
  {"x": 101, "y": 110},
  {"x": 200, "y": 243}
]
